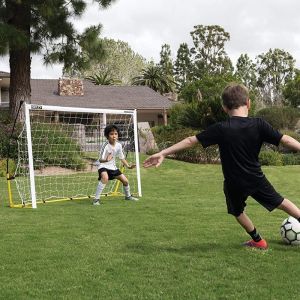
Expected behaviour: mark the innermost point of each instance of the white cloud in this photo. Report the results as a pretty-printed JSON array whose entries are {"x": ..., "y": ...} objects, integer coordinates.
[{"x": 255, "y": 26}]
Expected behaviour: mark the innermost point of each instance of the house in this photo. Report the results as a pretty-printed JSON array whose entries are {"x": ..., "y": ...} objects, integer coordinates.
[{"x": 151, "y": 106}]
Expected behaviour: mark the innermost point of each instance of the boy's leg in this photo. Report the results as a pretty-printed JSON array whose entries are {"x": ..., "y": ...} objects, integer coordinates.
[
  {"x": 236, "y": 203},
  {"x": 290, "y": 208},
  {"x": 103, "y": 176},
  {"x": 245, "y": 222},
  {"x": 126, "y": 187},
  {"x": 257, "y": 241}
]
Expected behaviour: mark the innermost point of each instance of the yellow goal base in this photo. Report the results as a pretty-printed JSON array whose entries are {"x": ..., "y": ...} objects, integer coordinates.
[
  {"x": 114, "y": 193},
  {"x": 49, "y": 201}
]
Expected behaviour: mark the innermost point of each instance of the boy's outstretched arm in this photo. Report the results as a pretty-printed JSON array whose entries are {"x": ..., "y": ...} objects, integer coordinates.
[
  {"x": 157, "y": 159},
  {"x": 290, "y": 142}
]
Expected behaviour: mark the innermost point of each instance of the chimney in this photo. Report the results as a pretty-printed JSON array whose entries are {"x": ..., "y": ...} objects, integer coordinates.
[{"x": 70, "y": 87}]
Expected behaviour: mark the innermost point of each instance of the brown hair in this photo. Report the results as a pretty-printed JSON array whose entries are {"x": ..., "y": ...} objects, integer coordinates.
[
  {"x": 235, "y": 95},
  {"x": 108, "y": 129}
]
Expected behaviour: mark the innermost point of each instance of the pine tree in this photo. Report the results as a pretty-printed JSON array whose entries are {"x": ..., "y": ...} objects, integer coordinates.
[
  {"x": 166, "y": 63},
  {"x": 45, "y": 27},
  {"x": 183, "y": 68}
]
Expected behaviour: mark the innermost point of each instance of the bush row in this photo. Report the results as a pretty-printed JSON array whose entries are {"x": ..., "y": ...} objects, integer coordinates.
[
  {"x": 166, "y": 136},
  {"x": 280, "y": 117},
  {"x": 270, "y": 155},
  {"x": 275, "y": 158}
]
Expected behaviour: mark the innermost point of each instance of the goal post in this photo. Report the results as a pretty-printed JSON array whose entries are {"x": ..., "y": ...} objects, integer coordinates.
[{"x": 58, "y": 148}]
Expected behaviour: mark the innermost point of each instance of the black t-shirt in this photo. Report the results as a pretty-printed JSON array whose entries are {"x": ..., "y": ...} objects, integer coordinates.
[{"x": 240, "y": 140}]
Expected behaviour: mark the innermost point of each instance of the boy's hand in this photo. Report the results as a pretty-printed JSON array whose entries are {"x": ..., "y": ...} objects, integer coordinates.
[
  {"x": 109, "y": 157},
  {"x": 131, "y": 166},
  {"x": 154, "y": 160}
]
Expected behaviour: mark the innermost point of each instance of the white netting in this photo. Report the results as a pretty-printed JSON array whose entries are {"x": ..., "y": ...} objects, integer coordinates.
[{"x": 65, "y": 146}]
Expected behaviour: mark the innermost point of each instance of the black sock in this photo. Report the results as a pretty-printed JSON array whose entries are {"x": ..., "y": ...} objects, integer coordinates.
[{"x": 255, "y": 235}]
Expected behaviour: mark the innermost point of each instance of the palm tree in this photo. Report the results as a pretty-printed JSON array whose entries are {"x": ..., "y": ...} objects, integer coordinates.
[
  {"x": 103, "y": 79},
  {"x": 153, "y": 77}
]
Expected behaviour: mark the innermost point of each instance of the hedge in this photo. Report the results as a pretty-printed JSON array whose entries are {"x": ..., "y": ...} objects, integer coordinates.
[{"x": 166, "y": 136}]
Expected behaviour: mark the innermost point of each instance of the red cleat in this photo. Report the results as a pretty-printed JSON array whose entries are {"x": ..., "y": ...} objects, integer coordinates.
[{"x": 262, "y": 244}]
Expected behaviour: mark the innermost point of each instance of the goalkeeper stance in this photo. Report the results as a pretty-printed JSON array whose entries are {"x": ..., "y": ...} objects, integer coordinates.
[
  {"x": 107, "y": 168},
  {"x": 240, "y": 139}
]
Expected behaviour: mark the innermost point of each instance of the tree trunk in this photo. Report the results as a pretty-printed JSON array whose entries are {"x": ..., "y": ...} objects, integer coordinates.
[
  {"x": 19, "y": 89},
  {"x": 19, "y": 57}
]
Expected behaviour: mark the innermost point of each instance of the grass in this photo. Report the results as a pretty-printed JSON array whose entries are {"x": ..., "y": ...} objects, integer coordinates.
[{"x": 177, "y": 242}]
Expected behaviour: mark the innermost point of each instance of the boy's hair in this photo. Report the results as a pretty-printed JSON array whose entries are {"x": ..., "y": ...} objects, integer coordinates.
[
  {"x": 235, "y": 95},
  {"x": 109, "y": 129}
]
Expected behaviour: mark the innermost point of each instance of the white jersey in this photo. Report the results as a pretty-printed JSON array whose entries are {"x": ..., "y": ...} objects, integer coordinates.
[{"x": 117, "y": 152}]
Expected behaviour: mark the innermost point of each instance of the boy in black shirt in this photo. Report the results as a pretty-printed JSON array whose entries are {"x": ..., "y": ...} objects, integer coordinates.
[{"x": 240, "y": 139}]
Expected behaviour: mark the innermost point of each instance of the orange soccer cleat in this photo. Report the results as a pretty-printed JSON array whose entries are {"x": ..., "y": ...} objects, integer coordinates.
[{"x": 262, "y": 244}]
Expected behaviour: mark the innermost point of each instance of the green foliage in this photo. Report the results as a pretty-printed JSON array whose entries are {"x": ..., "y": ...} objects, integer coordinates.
[
  {"x": 166, "y": 63},
  {"x": 166, "y": 136},
  {"x": 210, "y": 87},
  {"x": 102, "y": 79},
  {"x": 3, "y": 167},
  {"x": 291, "y": 159},
  {"x": 45, "y": 27},
  {"x": 291, "y": 90},
  {"x": 275, "y": 68},
  {"x": 154, "y": 77},
  {"x": 8, "y": 147},
  {"x": 201, "y": 114},
  {"x": 270, "y": 158},
  {"x": 63, "y": 147},
  {"x": 209, "y": 55},
  {"x": 174, "y": 113},
  {"x": 246, "y": 71},
  {"x": 120, "y": 62},
  {"x": 280, "y": 117},
  {"x": 183, "y": 67}
]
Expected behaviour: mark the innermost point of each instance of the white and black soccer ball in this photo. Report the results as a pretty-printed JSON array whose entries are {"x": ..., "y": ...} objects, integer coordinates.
[{"x": 290, "y": 231}]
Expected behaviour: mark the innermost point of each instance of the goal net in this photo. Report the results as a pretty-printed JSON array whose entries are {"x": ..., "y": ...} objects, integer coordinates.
[{"x": 58, "y": 149}]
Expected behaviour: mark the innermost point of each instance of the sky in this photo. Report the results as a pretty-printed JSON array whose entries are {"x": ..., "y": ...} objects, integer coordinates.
[{"x": 254, "y": 26}]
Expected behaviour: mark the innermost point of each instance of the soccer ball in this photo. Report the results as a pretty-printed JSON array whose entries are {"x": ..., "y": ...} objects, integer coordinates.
[{"x": 290, "y": 231}]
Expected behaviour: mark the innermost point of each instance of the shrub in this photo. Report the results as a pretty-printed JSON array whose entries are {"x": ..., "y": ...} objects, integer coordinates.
[
  {"x": 166, "y": 136},
  {"x": 63, "y": 147},
  {"x": 270, "y": 158},
  {"x": 11, "y": 167},
  {"x": 8, "y": 147},
  {"x": 291, "y": 159},
  {"x": 280, "y": 117},
  {"x": 197, "y": 114},
  {"x": 174, "y": 113}
]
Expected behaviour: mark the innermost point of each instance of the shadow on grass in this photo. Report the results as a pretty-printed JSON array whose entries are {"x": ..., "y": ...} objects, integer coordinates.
[
  {"x": 280, "y": 245},
  {"x": 192, "y": 248}
]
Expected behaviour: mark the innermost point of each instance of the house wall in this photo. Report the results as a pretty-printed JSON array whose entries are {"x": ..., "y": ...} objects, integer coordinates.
[
  {"x": 4, "y": 95},
  {"x": 154, "y": 118}
]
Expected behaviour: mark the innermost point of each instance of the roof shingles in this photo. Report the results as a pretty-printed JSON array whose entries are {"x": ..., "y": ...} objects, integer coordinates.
[{"x": 44, "y": 91}]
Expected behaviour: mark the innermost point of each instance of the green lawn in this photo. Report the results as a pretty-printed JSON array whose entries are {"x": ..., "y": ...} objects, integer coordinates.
[{"x": 177, "y": 242}]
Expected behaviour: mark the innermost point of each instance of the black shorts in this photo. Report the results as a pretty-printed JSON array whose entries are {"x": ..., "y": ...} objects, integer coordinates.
[
  {"x": 265, "y": 194},
  {"x": 112, "y": 174}
]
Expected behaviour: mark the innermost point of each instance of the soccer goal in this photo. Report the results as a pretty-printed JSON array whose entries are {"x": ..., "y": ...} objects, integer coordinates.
[{"x": 58, "y": 148}]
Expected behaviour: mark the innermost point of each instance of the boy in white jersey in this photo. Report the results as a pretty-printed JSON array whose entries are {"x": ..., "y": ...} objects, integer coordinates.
[{"x": 107, "y": 168}]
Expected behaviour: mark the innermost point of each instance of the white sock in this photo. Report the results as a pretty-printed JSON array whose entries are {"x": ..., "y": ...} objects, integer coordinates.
[
  {"x": 99, "y": 189},
  {"x": 127, "y": 190}
]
